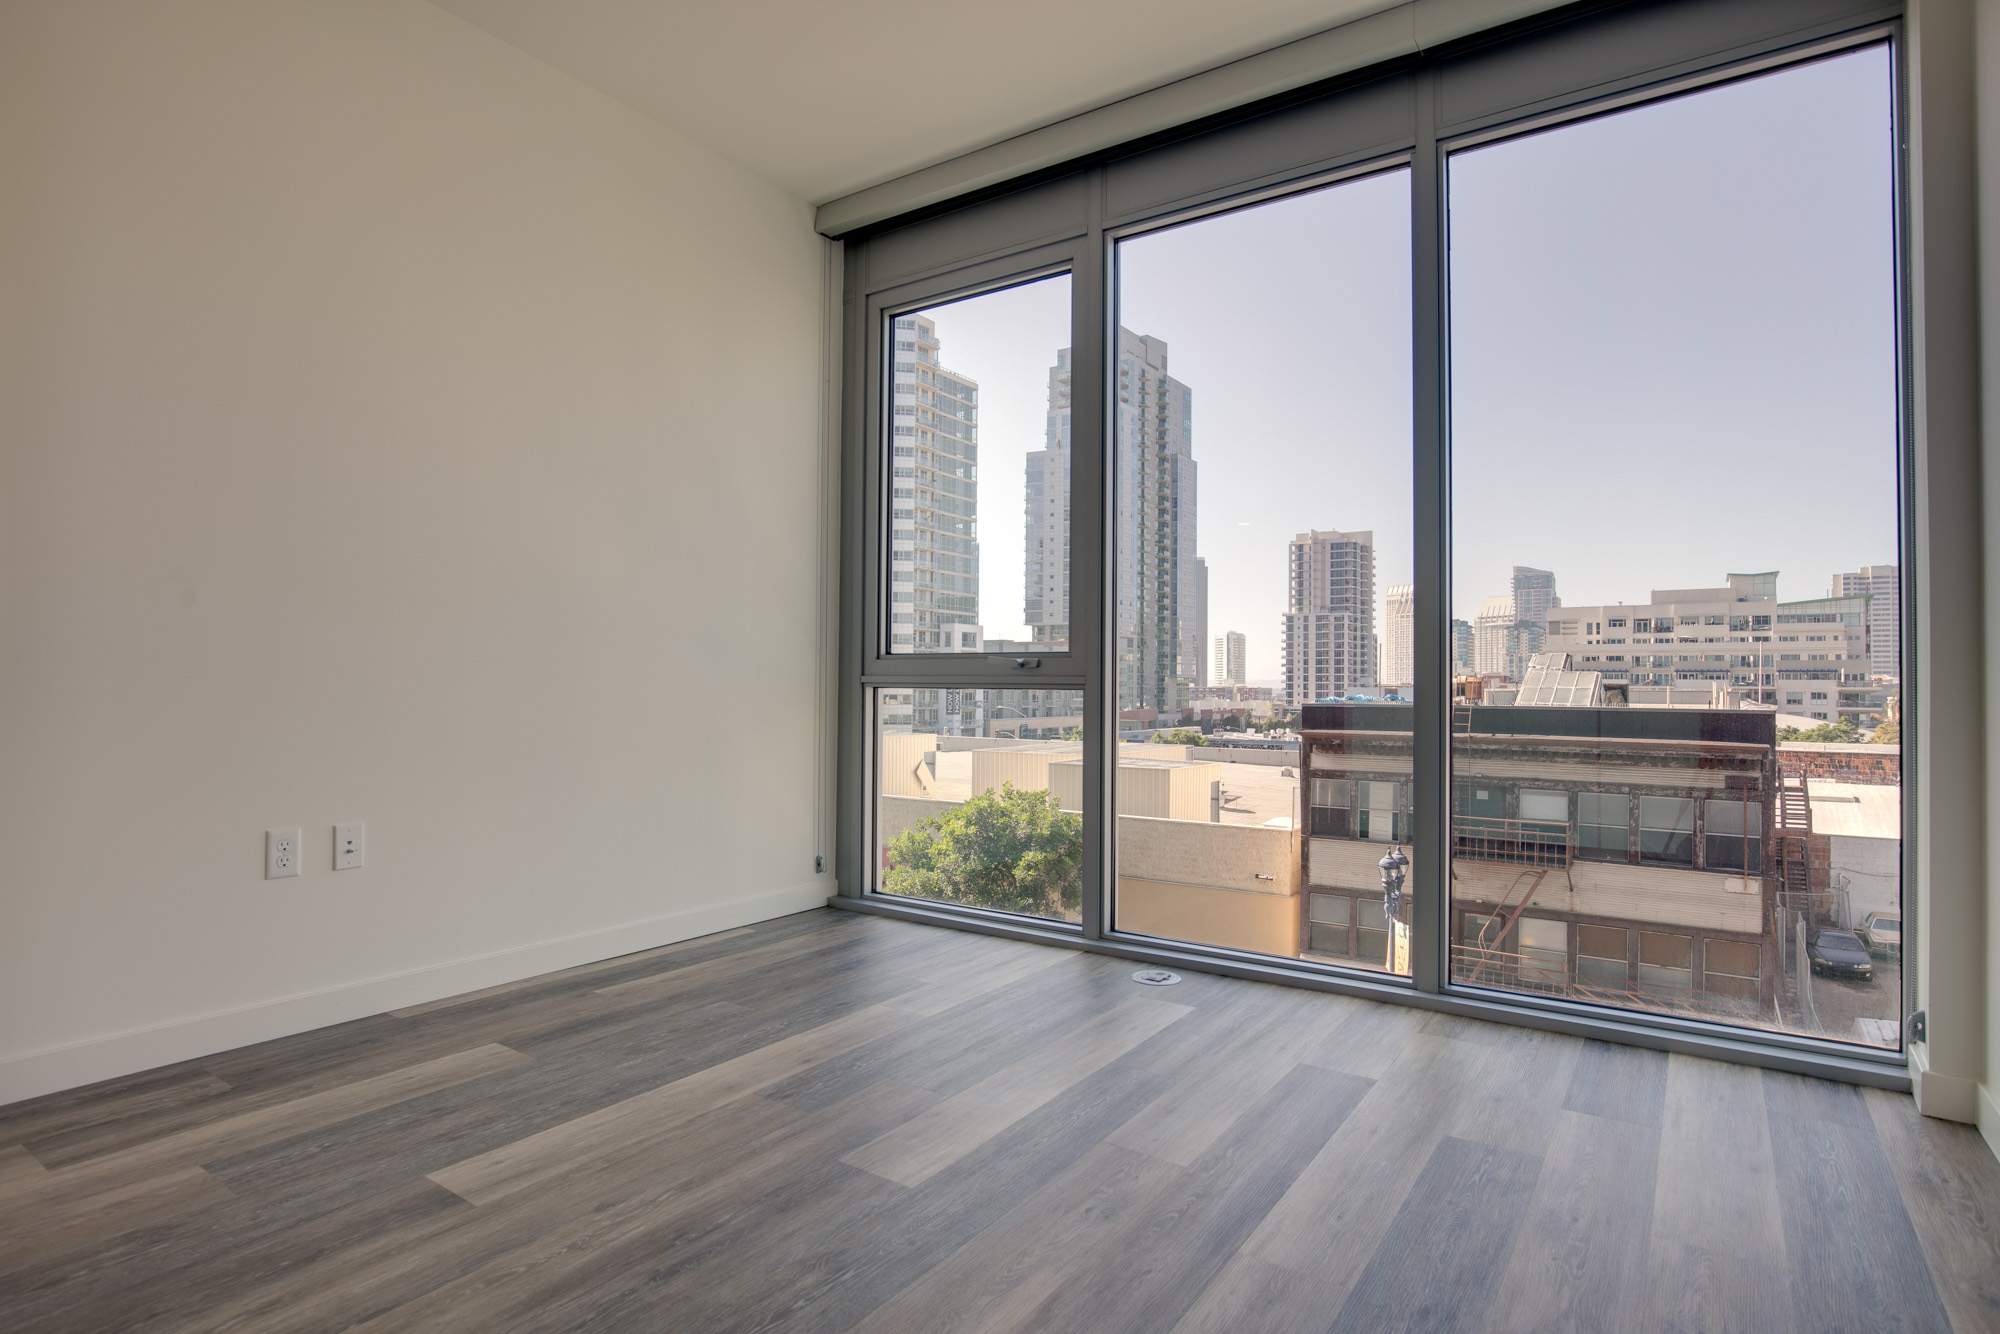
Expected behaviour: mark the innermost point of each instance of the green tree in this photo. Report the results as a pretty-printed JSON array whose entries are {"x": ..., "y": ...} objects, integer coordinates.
[
  {"x": 1844, "y": 732},
  {"x": 1012, "y": 849},
  {"x": 1888, "y": 733},
  {"x": 1185, "y": 736}
]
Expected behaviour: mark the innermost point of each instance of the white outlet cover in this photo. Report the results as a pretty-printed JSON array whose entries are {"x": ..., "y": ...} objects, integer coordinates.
[
  {"x": 350, "y": 846},
  {"x": 281, "y": 853}
]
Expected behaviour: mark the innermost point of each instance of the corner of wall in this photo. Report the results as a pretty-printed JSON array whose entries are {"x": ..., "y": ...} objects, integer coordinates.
[{"x": 1954, "y": 493}]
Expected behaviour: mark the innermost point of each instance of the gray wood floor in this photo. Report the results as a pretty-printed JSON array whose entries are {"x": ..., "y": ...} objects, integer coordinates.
[{"x": 836, "y": 1122}]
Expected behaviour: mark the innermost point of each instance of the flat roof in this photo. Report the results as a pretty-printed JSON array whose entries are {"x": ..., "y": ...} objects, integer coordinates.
[{"x": 1856, "y": 810}]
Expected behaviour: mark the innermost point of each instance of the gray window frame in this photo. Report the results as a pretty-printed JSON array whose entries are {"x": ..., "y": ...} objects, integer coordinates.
[{"x": 1570, "y": 66}]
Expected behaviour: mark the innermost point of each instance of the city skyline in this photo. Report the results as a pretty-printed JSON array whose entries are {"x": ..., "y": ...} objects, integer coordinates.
[
  {"x": 1291, "y": 320},
  {"x": 943, "y": 405}
]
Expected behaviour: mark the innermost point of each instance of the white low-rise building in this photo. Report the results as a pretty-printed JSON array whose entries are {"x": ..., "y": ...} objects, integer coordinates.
[{"x": 1810, "y": 658}]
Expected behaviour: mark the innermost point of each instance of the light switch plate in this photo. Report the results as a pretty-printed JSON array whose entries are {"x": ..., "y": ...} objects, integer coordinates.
[{"x": 350, "y": 846}]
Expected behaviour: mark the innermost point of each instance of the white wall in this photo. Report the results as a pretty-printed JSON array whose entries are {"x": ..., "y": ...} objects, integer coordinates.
[
  {"x": 1987, "y": 58},
  {"x": 391, "y": 429}
]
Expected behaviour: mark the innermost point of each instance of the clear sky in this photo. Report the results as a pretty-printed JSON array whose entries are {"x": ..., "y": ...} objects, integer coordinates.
[
  {"x": 1291, "y": 324},
  {"x": 1673, "y": 342},
  {"x": 1672, "y": 358}
]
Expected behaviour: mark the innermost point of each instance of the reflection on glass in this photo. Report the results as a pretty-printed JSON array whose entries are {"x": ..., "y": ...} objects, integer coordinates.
[
  {"x": 1675, "y": 785},
  {"x": 977, "y": 433},
  {"x": 1262, "y": 482},
  {"x": 988, "y": 812},
  {"x": 1355, "y": 776}
]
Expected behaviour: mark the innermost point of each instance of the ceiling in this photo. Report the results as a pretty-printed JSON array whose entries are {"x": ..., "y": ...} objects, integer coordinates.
[{"x": 827, "y": 98}]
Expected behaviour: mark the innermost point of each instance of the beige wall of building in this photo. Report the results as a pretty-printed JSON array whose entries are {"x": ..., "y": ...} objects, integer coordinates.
[
  {"x": 1160, "y": 790},
  {"x": 904, "y": 773},
  {"x": 1195, "y": 881},
  {"x": 1027, "y": 769}
]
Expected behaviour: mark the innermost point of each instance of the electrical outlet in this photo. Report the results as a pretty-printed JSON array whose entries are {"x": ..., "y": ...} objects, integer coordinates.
[
  {"x": 281, "y": 853},
  {"x": 350, "y": 846}
]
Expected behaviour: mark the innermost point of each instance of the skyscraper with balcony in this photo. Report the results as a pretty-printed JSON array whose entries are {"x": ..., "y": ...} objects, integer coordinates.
[
  {"x": 1158, "y": 615},
  {"x": 1884, "y": 590},
  {"x": 934, "y": 499},
  {"x": 1201, "y": 678},
  {"x": 1329, "y": 616}
]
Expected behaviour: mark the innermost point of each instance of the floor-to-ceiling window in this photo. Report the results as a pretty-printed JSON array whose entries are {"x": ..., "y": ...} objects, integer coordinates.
[
  {"x": 1675, "y": 502},
  {"x": 1444, "y": 533},
  {"x": 978, "y": 777},
  {"x": 1262, "y": 476}
]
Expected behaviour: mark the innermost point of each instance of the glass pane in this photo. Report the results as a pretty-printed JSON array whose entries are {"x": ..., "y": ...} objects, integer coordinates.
[
  {"x": 978, "y": 473},
  {"x": 1263, "y": 547},
  {"x": 1675, "y": 478},
  {"x": 979, "y": 798}
]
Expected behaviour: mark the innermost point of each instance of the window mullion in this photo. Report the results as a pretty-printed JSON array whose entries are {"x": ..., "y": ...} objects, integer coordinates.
[{"x": 1430, "y": 778}]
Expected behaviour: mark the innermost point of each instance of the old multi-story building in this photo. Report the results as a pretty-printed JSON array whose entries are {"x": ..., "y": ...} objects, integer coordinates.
[
  {"x": 1329, "y": 616},
  {"x": 1618, "y": 855}
]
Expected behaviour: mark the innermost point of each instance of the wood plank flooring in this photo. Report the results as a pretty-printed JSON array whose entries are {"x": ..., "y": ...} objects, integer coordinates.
[{"x": 837, "y": 1122}]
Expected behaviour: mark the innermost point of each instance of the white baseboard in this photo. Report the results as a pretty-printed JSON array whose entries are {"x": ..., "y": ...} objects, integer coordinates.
[
  {"x": 1947, "y": 1097},
  {"x": 1989, "y": 1119},
  {"x": 33, "y": 1073}
]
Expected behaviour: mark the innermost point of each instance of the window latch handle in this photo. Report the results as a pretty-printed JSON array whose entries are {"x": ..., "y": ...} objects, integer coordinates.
[{"x": 1026, "y": 664}]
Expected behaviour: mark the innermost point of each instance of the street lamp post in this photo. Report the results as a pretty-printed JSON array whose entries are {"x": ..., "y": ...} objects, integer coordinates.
[{"x": 1393, "y": 866}]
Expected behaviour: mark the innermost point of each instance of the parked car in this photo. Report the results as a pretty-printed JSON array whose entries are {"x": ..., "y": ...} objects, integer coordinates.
[
  {"x": 1882, "y": 932},
  {"x": 1840, "y": 954}
]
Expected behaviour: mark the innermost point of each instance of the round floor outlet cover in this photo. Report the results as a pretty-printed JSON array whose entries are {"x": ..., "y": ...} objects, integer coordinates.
[{"x": 1156, "y": 977}]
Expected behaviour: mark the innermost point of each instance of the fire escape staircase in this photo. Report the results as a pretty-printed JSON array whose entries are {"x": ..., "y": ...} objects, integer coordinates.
[
  {"x": 1502, "y": 921},
  {"x": 1795, "y": 869}
]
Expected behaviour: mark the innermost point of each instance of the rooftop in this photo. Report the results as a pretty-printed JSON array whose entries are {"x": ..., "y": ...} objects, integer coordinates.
[{"x": 1856, "y": 810}]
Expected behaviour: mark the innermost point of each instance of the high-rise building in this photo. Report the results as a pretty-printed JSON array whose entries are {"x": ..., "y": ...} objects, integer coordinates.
[
  {"x": 1399, "y": 662},
  {"x": 1045, "y": 571},
  {"x": 1489, "y": 637},
  {"x": 1501, "y": 643},
  {"x": 934, "y": 512},
  {"x": 1330, "y": 617},
  {"x": 1462, "y": 658},
  {"x": 1201, "y": 679},
  {"x": 1884, "y": 590},
  {"x": 1231, "y": 659},
  {"x": 1534, "y": 594},
  {"x": 934, "y": 499},
  {"x": 1159, "y": 627}
]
